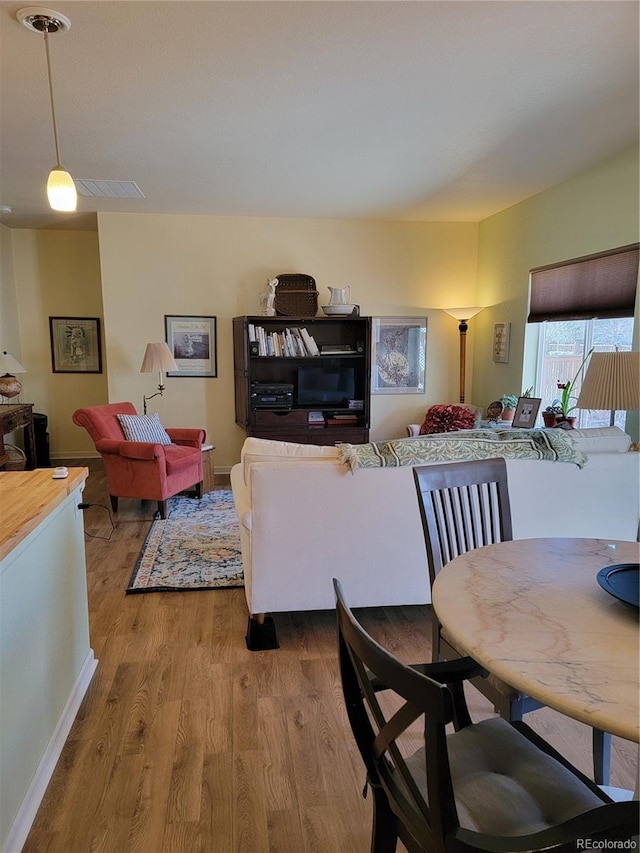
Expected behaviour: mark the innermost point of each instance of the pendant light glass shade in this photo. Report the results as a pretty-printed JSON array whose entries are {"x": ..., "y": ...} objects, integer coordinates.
[{"x": 61, "y": 190}]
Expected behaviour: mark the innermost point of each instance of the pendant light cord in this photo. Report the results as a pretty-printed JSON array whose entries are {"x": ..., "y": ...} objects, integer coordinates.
[{"x": 53, "y": 110}]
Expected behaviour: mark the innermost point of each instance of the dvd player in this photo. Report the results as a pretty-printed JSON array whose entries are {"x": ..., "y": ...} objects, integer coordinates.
[{"x": 271, "y": 395}]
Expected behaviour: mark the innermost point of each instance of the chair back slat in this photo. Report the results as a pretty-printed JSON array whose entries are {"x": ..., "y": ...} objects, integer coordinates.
[{"x": 463, "y": 506}]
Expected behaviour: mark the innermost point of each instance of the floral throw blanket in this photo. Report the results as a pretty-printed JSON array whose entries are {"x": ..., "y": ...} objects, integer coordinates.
[{"x": 550, "y": 444}]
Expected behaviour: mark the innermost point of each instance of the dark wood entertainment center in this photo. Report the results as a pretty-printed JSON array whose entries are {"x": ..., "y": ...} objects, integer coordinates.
[{"x": 289, "y": 421}]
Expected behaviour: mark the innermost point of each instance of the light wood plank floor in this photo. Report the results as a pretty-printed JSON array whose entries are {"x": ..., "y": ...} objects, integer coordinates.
[{"x": 188, "y": 742}]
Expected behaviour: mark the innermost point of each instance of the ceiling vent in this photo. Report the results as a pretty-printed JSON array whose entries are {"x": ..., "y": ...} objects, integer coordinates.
[{"x": 108, "y": 189}]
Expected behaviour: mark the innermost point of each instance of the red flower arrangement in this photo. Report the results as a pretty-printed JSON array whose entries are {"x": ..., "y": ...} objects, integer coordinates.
[{"x": 442, "y": 418}]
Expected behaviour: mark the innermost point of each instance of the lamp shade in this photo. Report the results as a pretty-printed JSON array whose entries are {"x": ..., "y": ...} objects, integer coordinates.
[
  {"x": 612, "y": 382},
  {"x": 462, "y": 313},
  {"x": 10, "y": 365},
  {"x": 158, "y": 359},
  {"x": 61, "y": 190}
]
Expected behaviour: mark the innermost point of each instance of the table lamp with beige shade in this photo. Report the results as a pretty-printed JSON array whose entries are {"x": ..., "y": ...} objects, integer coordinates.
[
  {"x": 157, "y": 357},
  {"x": 612, "y": 381},
  {"x": 9, "y": 385}
]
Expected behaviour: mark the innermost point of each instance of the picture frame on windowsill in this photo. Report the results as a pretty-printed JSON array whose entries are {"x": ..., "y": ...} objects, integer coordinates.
[{"x": 526, "y": 412}]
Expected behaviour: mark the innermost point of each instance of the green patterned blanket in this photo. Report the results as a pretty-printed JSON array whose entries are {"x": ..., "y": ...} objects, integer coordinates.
[{"x": 551, "y": 444}]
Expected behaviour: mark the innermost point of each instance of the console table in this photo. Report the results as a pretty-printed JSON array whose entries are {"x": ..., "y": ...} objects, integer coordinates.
[{"x": 13, "y": 418}]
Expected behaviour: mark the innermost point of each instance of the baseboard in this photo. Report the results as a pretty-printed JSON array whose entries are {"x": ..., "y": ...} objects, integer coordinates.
[{"x": 26, "y": 814}]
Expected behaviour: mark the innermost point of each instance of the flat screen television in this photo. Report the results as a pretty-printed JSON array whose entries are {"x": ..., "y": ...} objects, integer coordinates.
[{"x": 322, "y": 386}]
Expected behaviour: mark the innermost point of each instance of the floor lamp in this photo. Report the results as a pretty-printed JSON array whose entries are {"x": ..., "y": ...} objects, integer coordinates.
[
  {"x": 157, "y": 357},
  {"x": 612, "y": 381},
  {"x": 463, "y": 315}
]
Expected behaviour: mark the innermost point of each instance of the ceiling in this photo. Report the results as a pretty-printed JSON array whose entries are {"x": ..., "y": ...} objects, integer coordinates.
[{"x": 445, "y": 110}]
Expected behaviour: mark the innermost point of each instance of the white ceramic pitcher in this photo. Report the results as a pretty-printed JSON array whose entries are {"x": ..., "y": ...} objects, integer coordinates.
[{"x": 340, "y": 295}]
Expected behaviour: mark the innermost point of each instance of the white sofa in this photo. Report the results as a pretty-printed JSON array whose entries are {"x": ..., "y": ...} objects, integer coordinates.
[{"x": 305, "y": 518}]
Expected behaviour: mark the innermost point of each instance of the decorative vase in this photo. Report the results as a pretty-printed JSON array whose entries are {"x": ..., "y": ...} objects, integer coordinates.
[{"x": 9, "y": 386}]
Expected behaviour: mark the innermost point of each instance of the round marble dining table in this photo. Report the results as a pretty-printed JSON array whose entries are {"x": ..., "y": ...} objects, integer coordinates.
[{"x": 532, "y": 612}]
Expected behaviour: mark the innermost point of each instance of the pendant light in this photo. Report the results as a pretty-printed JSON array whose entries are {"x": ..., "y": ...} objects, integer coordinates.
[{"x": 61, "y": 190}]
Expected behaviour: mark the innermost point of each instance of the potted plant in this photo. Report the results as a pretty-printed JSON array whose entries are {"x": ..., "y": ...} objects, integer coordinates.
[
  {"x": 559, "y": 412},
  {"x": 509, "y": 402}
]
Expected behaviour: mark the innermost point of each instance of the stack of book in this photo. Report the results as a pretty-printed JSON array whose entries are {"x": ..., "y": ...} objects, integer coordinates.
[
  {"x": 342, "y": 419},
  {"x": 315, "y": 419},
  {"x": 293, "y": 342}
]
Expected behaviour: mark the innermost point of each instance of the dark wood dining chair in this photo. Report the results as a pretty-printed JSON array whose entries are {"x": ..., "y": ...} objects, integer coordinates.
[
  {"x": 465, "y": 505},
  {"x": 487, "y": 786}
]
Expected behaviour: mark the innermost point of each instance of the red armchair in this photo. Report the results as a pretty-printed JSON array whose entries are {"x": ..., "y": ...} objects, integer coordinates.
[{"x": 141, "y": 469}]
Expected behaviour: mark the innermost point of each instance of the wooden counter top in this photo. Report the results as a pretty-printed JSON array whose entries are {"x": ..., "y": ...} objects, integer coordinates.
[{"x": 27, "y": 497}]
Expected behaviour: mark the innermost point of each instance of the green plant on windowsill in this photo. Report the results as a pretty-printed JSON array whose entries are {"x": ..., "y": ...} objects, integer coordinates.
[
  {"x": 509, "y": 401},
  {"x": 563, "y": 405}
]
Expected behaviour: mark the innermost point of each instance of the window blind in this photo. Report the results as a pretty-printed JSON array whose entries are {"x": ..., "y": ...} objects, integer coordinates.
[{"x": 602, "y": 285}]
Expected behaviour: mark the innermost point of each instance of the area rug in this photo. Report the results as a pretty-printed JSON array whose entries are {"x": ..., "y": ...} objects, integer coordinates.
[{"x": 196, "y": 547}]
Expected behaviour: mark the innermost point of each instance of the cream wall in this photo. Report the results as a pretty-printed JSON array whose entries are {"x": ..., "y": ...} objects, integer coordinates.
[
  {"x": 595, "y": 211},
  {"x": 204, "y": 265},
  {"x": 9, "y": 328},
  {"x": 139, "y": 268},
  {"x": 57, "y": 273}
]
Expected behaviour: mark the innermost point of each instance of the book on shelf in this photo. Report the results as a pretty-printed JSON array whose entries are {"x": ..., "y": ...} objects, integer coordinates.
[
  {"x": 337, "y": 420},
  {"x": 337, "y": 349},
  {"x": 291, "y": 342}
]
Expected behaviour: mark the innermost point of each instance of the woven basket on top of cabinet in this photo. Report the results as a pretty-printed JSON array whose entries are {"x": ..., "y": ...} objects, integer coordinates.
[{"x": 296, "y": 295}]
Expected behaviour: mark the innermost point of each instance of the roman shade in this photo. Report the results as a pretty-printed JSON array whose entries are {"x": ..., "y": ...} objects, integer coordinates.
[{"x": 602, "y": 285}]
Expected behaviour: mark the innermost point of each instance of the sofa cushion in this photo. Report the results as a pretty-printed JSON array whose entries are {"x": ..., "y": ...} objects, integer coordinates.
[
  {"x": 144, "y": 428},
  {"x": 600, "y": 440},
  {"x": 180, "y": 458},
  {"x": 267, "y": 450},
  {"x": 449, "y": 418}
]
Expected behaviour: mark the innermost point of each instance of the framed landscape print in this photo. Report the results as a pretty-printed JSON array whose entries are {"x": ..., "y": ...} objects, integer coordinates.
[
  {"x": 75, "y": 344},
  {"x": 192, "y": 341},
  {"x": 399, "y": 355}
]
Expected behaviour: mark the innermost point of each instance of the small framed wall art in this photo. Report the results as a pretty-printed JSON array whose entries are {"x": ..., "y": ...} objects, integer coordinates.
[
  {"x": 501, "y": 335},
  {"x": 192, "y": 341},
  {"x": 75, "y": 344},
  {"x": 399, "y": 355}
]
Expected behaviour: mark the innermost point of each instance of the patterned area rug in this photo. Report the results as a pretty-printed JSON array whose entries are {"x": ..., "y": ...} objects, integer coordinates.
[{"x": 196, "y": 547}]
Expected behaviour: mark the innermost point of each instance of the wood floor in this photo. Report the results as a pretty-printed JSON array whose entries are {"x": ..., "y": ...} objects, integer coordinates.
[{"x": 188, "y": 742}]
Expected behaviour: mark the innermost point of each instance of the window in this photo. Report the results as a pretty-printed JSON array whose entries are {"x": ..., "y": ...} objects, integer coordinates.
[
  {"x": 562, "y": 346},
  {"x": 582, "y": 304}
]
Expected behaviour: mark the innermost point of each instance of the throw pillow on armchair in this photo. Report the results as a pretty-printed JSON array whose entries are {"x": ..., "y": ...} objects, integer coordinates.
[{"x": 441, "y": 418}]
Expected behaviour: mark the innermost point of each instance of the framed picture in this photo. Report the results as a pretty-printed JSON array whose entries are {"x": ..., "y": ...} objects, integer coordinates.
[
  {"x": 526, "y": 412},
  {"x": 501, "y": 335},
  {"x": 75, "y": 344},
  {"x": 192, "y": 341},
  {"x": 399, "y": 355}
]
